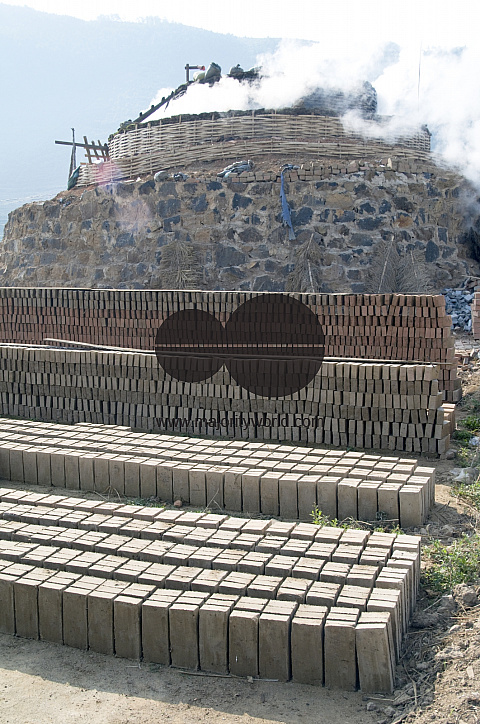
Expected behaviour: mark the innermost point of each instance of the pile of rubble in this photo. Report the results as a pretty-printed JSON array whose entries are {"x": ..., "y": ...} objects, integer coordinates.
[{"x": 458, "y": 305}]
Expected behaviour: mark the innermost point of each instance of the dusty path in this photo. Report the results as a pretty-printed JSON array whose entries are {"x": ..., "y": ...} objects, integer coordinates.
[{"x": 43, "y": 683}]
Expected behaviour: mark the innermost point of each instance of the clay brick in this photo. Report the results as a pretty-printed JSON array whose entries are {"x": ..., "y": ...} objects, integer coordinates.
[
  {"x": 127, "y": 626},
  {"x": 213, "y": 633},
  {"x": 307, "y": 644}
]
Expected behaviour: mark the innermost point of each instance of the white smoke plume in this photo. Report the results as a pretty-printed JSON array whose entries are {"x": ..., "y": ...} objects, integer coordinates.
[{"x": 436, "y": 86}]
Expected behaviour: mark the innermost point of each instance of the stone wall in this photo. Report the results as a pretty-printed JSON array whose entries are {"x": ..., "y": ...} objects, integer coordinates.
[{"x": 358, "y": 227}]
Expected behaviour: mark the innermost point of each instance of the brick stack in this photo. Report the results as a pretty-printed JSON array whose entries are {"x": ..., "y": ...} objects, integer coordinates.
[
  {"x": 250, "y": 597},
  {"x": 362, "y": 405},
  {"x": 253, "y": 478},
  {"x": 476, "y": 316},
  {"x": 368, "y": 327}
]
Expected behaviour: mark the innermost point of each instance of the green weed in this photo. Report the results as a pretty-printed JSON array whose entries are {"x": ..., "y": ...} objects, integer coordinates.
[
  {"x": 469, "y": 493},
  {"x": 464, "y": 457},
  {"x": 472, "y": 423},
  {"x": 450, "y": 565},
  {"x": 318, "y": 518},
  {"x": 461, "y": 435}
]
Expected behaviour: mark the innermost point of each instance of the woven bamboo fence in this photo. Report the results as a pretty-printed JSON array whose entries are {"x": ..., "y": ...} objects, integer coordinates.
[{"x": 145, "y": 150}]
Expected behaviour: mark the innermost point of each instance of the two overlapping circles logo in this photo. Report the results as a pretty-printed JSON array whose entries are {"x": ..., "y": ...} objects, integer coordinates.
[{"x": 273, "y": 345}]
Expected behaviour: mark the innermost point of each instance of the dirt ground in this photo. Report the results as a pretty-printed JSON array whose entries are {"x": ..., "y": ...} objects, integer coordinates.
[{"x": 437, "y": 680}]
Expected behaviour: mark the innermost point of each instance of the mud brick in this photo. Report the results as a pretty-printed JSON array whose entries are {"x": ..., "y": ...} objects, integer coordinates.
[
  {"x": 213, "y": 628},
  {"x": 411, "y": 500},
  {"x": 340, "y": 650},
  {"x": 360, "y": 575},
  {"x": 245, "y": 541},
  {"x": 176, "y": 533},
  {"x": 182, "y": 577},
  {"x": 235, "y": 583},
  {"x": 389, "y": 601},
  {"x": 355, "y": 536},
  {"x": 215, "y": 488},
  {"x": 7, "y": 610},
  {"x": 198, "y": 486},
  {"x": 50, "y": 604},
  {"x": 274, "y": 656},
  {"x": 100, "y": 620},
  {"x": 211, "y": 520},
  {"x": 164, "y": 481},
  {"x": 396, "y": 579},
  {"x": 127, "y": 626},
  {"x": 75, "y": 622},
  {"x": 208, "y": 581},
  {"x": 255, "y": 527},
  {"x": 321, "y": 551},
  {"x": 367, "y": 500},
  {"x": 308, "y": 568},
  {"x": 269, "y": 499},
  {"x": 16, "y": 464},
  {"x": 270, "y": 544},
  {"x": 388, "y": 497},
  {"x": 295, "y": 547},
  {"x": 181, "y": 489},
  {"x": 327, "y": 495},
  {"x": 264, "y": 586},
  {"x": 353, "y": 597},
  {"x": 373, "y": 556},
  {"x": 375, "y": 652},
  {"x": 131, "y": 471},
  {"x": 335, "y": 572},
  {"x": 323, "y": 593},
  {"x": 307, "y": 496},
  {"x": 5, "y": 466},
  {"x": 402, "y": 565},
  {"x": 87, "y": 479},
  {"x": 280, "y": 529},
  {"x": 155, "y": 629},
  {"x": 179, "y": 555},
  {"x": 30, "y": 465},
  {"x": 230, "y": 484},
  {"x": 288, "y": 495},
  {"x": 155, "y": 574},
  {"x": 347, "y": 553},
  {"x": 378, "y": 539},
  {"x": 243, "y": 637},
  {"x": 253, "y": 562},
  {"x": 203, "y": 557},
  {"x": 116, "y": 473},
  {"x": 183, "y": 629},
  {"x": 232, "y": 523},
  {"x": 293, "y": 589},
  {"x": 347, "y": 498},
  {"x": 307, "y": 644},
  {"x": 227, "y": 560},
  {"x": 281, "y": 565}
]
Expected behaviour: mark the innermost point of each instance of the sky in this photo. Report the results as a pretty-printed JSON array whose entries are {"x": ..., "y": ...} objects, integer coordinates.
[
  {"x": 429, "y": 22},
  {"x": 422, "y": 56}
]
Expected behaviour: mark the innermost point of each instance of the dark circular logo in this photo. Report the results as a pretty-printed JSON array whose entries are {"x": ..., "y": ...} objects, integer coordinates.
[{"x": 273, "y": 345}]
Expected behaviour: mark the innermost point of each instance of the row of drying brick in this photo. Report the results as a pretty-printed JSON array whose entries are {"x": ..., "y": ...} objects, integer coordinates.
[
  {"x": 180, "y": 448},
  {"x": 303, "y": 428},
  {"x": 69, "y": 539},
  {"x": 339, "y": 585},
  {"x": 387, "y": 561},
  {"x": 407, "y": 416},
  {"x": 341, "y": 493},
  {"x": 244, "y": 636},
  {"x": 382, "y": 326},
  {"x": 319, "y": 558}
]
